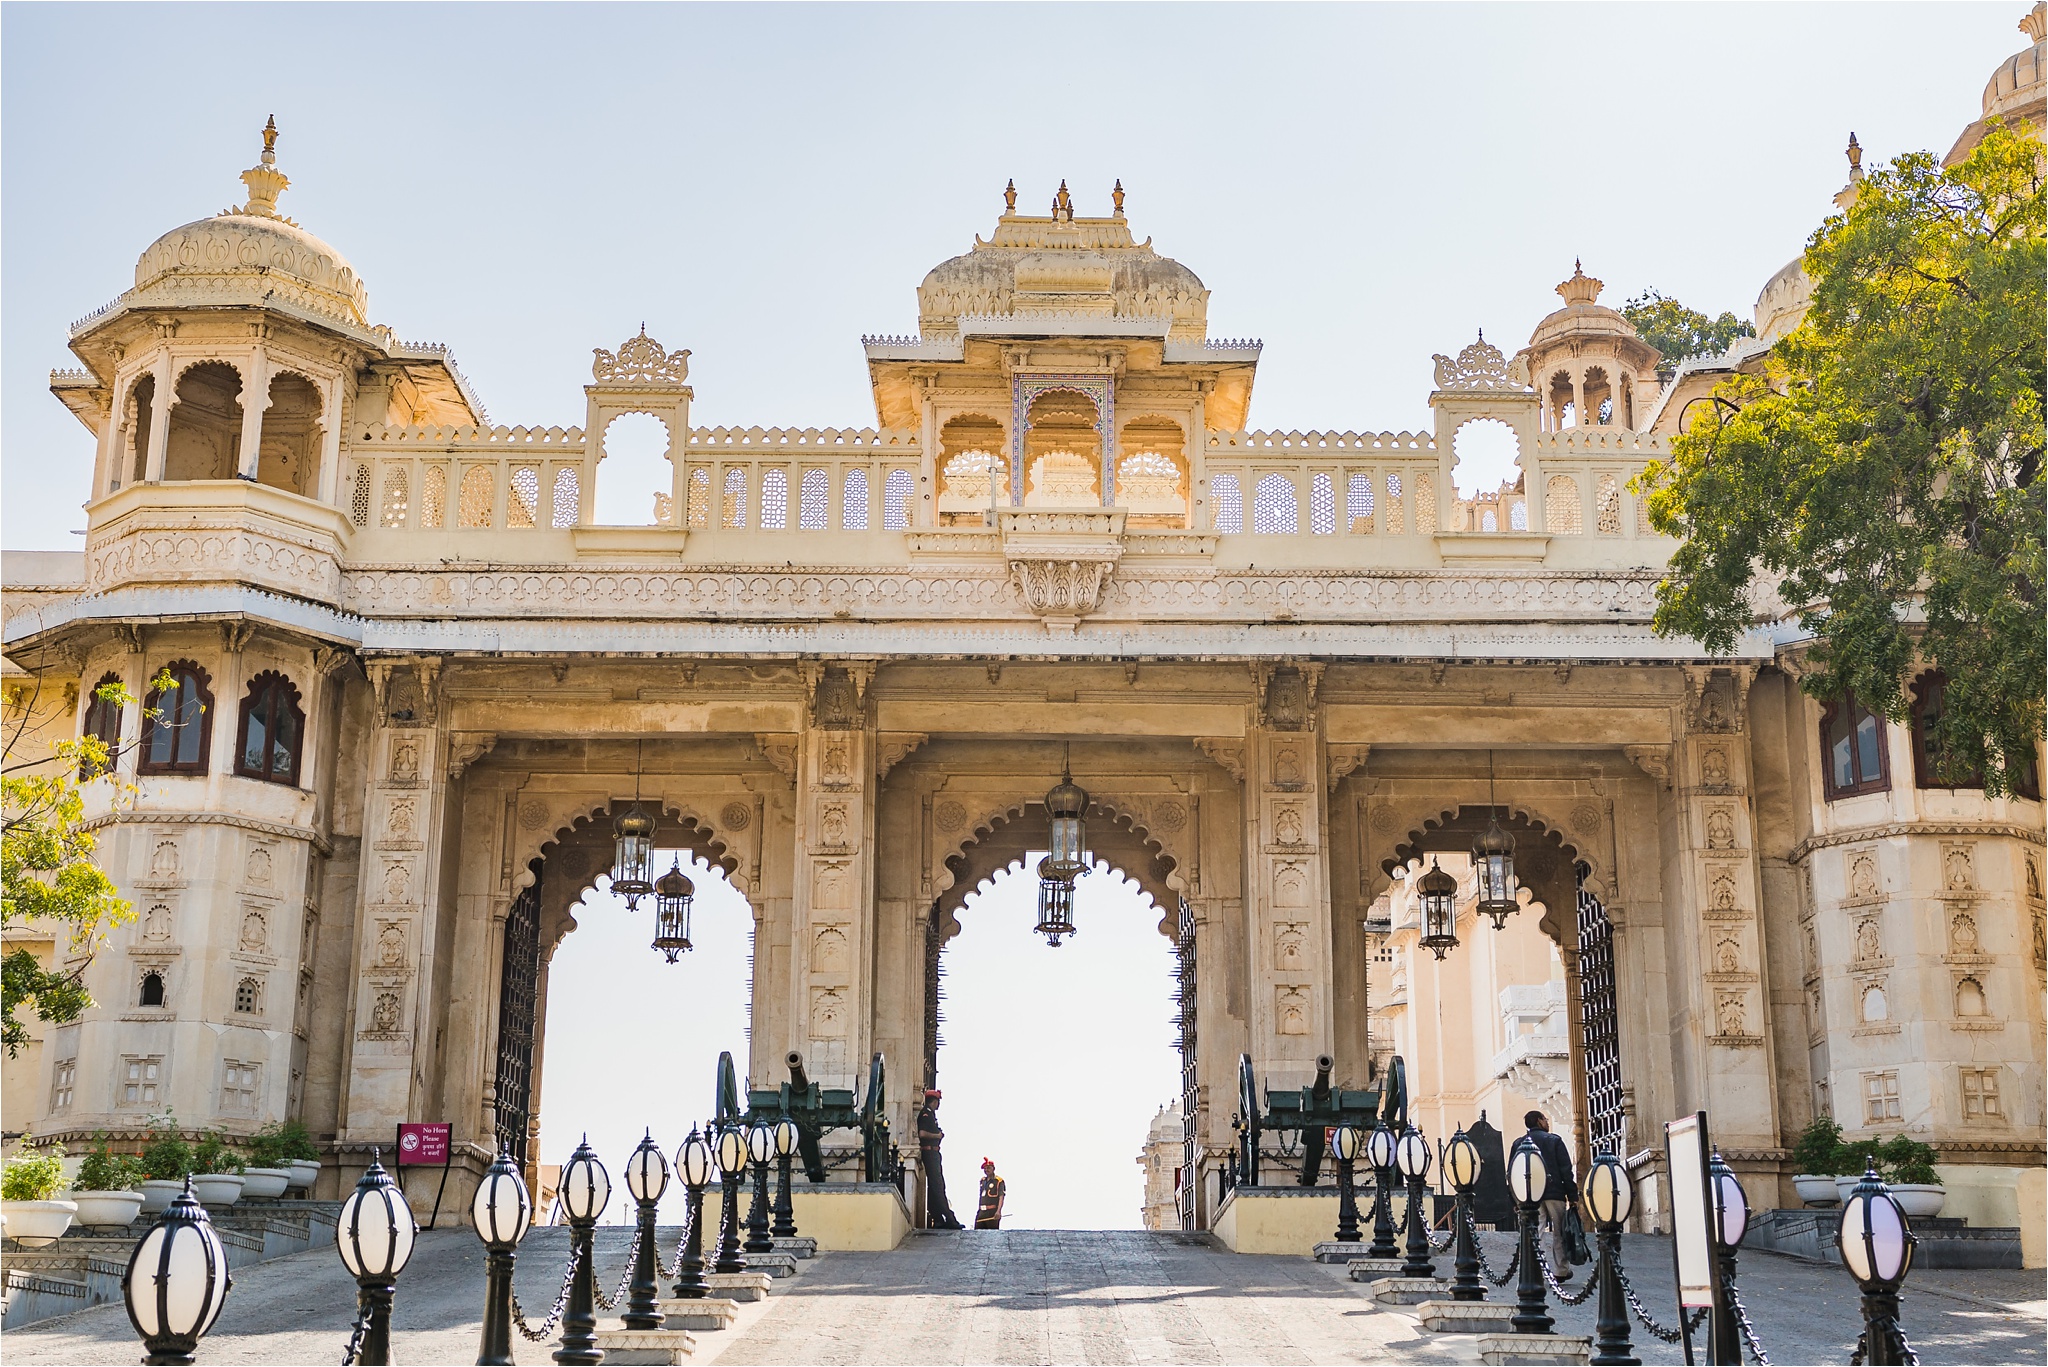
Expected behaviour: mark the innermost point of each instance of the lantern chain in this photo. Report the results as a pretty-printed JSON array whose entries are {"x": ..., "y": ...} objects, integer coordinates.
[
  {"x": 1479, "y": 1252},
  {"x": 355, "y": 1338},
  {"x": 1756, "y": 1349},
  {"x": 1636, "y": 1307},
  {"x": 675, "y": 1268},
  {"x": 1861, "y": 1353},
  {"x": 1450, "y": 1236},
  {"x": 605, "y": 1302},
  {"x": 1564, "y": 1297},
  {"x": 547, "y": 1326}
]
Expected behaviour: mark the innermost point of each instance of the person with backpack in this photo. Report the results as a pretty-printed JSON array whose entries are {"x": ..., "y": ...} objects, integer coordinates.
[{"x": 1560, "y": 1190}]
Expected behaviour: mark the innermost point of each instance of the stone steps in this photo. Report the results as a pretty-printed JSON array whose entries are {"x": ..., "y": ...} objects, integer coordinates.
[{"x": 1809, "y": 1234}]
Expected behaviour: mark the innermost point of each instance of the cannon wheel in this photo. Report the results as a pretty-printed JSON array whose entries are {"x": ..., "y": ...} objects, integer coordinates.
[
  {"x": 728, "y": 1091},
  {"x": 1248, "y": 1110}
]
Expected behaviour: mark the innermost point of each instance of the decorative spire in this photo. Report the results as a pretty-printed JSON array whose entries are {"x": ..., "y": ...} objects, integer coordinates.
[
  {"x": 1063, "y": 204},
  {"x": 1845, "y": 198},
  {"x": 2035, "y": 25},
  {"x": 1581, "y": 288},
  {"x": 264, "y": 180},
  {"x": 1116, "y": 196},
  {"x": 1855, "y": 150},
  {"x": 1010, "y": 197}
]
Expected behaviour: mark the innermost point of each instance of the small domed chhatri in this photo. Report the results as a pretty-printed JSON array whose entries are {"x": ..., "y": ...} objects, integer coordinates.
[{"x": 214, "y": 260}]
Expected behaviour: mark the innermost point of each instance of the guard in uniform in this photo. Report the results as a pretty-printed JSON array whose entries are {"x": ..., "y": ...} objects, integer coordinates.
[
  {"x": 988, "y": 1213},
  {"x": 938, "y": 1210}
]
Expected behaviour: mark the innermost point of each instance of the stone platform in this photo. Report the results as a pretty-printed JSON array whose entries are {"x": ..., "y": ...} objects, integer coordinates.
[
  {"x": 1466, "y": 1317},
  {"x": 835, "y": 1217},
  {"x": 1405, "y": 1290},
  {"x": 1515, "y": 1350},
  {"x": 1944, "y": 1243},
  {"x": 713, "y": 1314},
  {"x": 645, "y": 1347}
]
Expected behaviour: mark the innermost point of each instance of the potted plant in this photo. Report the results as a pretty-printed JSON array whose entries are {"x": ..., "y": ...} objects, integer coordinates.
[
  {"x": 269, "y": 1171},
  {"x": 1852, "y": 1160},
  {"x": 28, "y": 1197},
  {"x": 289, "y": 1145},
  {"x": 1909, "y": 1168},
  {"x": 216, "y": 1170},
  {"x": 107, "y": 1186},
  {"x": 166, "y": 1161},
  {"x": 1814, "y": 1161}
]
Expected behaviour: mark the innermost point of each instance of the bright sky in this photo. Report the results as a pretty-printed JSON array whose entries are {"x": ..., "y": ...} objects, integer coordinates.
[
  {"x": 1359, "y": 186},
  {"x": 1053, "y": 1061}
]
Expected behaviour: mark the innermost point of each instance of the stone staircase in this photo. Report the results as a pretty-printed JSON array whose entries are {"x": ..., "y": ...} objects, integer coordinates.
[
  {"x": 84, "y": 1268},
  {"x": 1944, "y": 1242}
]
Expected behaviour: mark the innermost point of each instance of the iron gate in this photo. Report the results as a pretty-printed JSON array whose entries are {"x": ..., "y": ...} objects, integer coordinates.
[
  {"x": 518, "y": 996},
  {"x": 1184, "y": 998},
  {"x": 1599, "y": 1030}
]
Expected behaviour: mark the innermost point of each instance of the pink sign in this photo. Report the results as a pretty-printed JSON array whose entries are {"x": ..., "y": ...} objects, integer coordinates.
[{"x": 421, "y": 1144}]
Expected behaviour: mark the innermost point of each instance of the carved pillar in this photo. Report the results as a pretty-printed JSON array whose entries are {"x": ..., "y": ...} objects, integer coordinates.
[
  {"x": 255, "y": 402},
  {"x": 832, "y": 902},
  {"x": 1287, "y": 886},
  {"x": 161, "y": 400},
  {"x": 330, "y": 439}
]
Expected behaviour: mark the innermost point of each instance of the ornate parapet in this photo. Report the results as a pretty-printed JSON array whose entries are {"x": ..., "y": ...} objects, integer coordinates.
[{"x": 214, "y": 531}]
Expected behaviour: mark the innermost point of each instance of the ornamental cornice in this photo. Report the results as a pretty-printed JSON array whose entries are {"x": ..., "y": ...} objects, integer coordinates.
[
  {"x": 1993, "y": 829},
  {"x": 147, "y": 817}
]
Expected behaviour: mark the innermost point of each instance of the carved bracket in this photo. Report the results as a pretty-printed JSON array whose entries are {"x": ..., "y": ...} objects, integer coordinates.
[
  {"x": 1345, "y": 760},
  {"x": 1654, "y": 760},
  {"x": 1060, "y": 559},
  {"x": 1227, "y": 751},
  {"x": 780, "y": 751},
  {"x": 891, "y": 747},
  {"x": 466, "y": 748}
]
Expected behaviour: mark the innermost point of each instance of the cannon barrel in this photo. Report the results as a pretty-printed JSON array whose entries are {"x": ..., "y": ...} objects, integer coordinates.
[
  {"x": 1321, "y": 1090},
  {"x": 799, "y": 1080}
]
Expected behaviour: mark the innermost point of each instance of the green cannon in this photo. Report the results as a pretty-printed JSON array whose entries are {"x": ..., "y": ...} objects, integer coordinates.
[
  {"x": 815, "y": 1109},
  {"x": 1310, "y": 1111}
]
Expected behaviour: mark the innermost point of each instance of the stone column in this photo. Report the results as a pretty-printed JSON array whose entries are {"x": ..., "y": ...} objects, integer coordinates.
[
  {"x": 255, "y": 403},
  {"x": 1287, "y": 886},
  {"x": 161, "y": 401}
]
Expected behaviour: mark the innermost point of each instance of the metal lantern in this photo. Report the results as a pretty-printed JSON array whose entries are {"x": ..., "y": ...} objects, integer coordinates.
[
  {"x": 785, "y": 1137},
  {"x": 1438, "y": 892},
  {"x": 586, "y": 1186},
  {"x": 1493, "y": 868},
  {"x": 1731, "y": 1203},
  {"x": 1526, "y": 1176},
  {"x": 1875, "y": 1240},
  {"x": 632, "y": 854},
  {"x": 695, "y": 1160},
  {"x": 1461, "y": 1160},
  {"x": 732, "y": 1153},
  {"x": 1066, "y": 860},
  {"x": 1380, "y": 1148},
  {"x": 376, "y": 1228},
  {"x": 1610, "y": 1195},
  {"x": 761, "y": 1143},
  {"x": 672, "y": 895},
  {"x": 177, "y": 1281},
  {"x": 1055, "y": 903},
  {"x": 501, "y": 1209},
  {"x": 647, "y": 1171},
  {"x": 1346, "y": 1143},
  {"x": 1412, "y": 1154}
]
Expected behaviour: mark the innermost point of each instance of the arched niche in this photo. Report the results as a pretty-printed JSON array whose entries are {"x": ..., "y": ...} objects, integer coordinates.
[
  {"x": 1545, "y": 862},
  {"x": 205, "y": 429},
  {"x": 1063, "y": 450},
  {"x": 1152, "y": 479},
  {"x": 971, "y": 447},
  {"x": 635, "y": 471},
  {"x": 288, "y": 452}
]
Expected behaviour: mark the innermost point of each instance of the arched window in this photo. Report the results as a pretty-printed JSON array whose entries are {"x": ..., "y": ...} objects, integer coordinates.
[
  {"x": 273, "y": 726},
  {"x": 152, "y": 989},
  {"x": 1852, "y": 749},
  {"x": 177, "y": 723},
  {"x": 248, "y": 996},
  {"x": 1930, "y": 701},
  {"x": 103, "y": 724}
]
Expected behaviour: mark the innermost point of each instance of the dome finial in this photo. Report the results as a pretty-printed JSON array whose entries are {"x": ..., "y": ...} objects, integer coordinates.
[
  {"x": 1855, "y": 150},
  {"x": 1581, "y": 288},
  {"x": 1116, "y": 197},
  {"x": 1010, "y": 196},
  {"x": 264, "y": 180},
  {"x": 2035, "y": 25},
  {"x": 270, "y": 141}
]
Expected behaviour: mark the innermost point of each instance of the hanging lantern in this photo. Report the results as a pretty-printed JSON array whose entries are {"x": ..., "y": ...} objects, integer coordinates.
[
  {"x": 632, "y": 853},
  {"x": 1067, "y": 841},
  {"x": 1438, "y": 892},
  {"x": 672, "y": 894},
  {"x": 1493, "y": 868}
]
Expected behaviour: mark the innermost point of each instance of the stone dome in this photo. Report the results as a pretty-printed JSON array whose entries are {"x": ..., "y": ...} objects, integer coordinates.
[
  {"x": 2018, "y": 82},
  {"x": 252, "y": 250},
  {"x": 1581, "y": 316}
]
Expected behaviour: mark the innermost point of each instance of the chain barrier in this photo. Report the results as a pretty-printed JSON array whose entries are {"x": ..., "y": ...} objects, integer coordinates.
[
  {"x": 1562, "y": 1295},
  {"x": 1657, "y": 1330},
  {"x": 1479, "y": 1252},
  {"x": 1756, "y": 1350},
  {"x": 547, "y": 1326},
  {"x": 1450, "y": 1236},
  {"x": 1861, "y": 1353},
  {"x": 355, "y": 1338},
  {"x": 675, "y": 1269},
  {"x": 605, "y": 1302}
]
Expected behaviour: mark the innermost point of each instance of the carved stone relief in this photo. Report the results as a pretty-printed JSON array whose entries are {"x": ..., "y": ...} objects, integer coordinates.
[
  {"x": 949, "y": 816},
  {"x": 257, "y": 871},
  {"x": 255, "y": 937},
  {"x": 1287, "y": 701},
  {"x": 1287, "y": 829},
  {"x": 829, "y": 950},
  {"x": 1720, "y": 829},
  {"x": 1721, "y": 889},
  {"x": 391, "y": 945},
  {"x": 163, "y": 861},
  {"x": 1714, "y": 767},
  {"x": 1290, "y": 945},
  {"x": 831, "y": 887},
  {"x": 735, "y": 816},
  {"x": 405, "y": 759},
  {"x": 156, "y": 923},
  {"x": 1863, "y": 883},
  {"x": 832, "y": 825},
  {"x": 835, "y": 770},
  {"x": 828, "y": 1013},
  {"x": 1728, "y": 1014},
  {"x": 1290, "y": 1010},
  {"x": 1290, "y": 885},
  {"x": 1169, "y": 816},
  {"x": 404, "y": 818},
  {"x": 1869, "y": 940},
  {"x": 1287, "y": 766},
  {"x": 836, "y": 705},
  {"x": 397, "y": 880},
  {"x": 384, "y": 1014},
  {"x": 1962, "y": 935},
  {"x": 1727, "y": 952},
  {"x": 1958, "y": 868}
]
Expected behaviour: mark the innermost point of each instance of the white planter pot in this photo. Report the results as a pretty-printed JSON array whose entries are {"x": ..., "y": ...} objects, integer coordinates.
[
  {"x": 1815, "y": 1190},
  {"x": 107, "y": 1209},
  {"x": 158, "y": 1193},
  {"x": 217, "y": 1188},
  {"x": 1920, "y": 1200},
  {"x": 1845, "y": 1185},
  {"x": 36, "y": 1223},
  {"x": 263, "y": 1184},
  {"x": 304, "y": 1172}
]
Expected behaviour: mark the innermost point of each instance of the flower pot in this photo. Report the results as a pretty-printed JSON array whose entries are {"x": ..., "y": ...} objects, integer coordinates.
[
  {"x": 1846, "y": 1184},
  {"x": 1815, "y": 1190},
  {"x": 1920, "y": 1200},
  {"x": 217, "y": 1188},
  {"x": 264, "y": 1184},
  {"x": 34, "y": 1224},
  {"x": 304, "y": 1172},
  {"x": 158, "y": 1193},
  {"x": 107, "y": 1209}
]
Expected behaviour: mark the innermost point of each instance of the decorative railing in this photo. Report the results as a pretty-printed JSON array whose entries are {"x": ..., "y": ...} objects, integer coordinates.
[{"x": 1322, "y": 483}]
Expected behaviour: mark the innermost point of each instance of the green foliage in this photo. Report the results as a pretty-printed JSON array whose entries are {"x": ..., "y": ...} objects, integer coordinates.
[
  {"x": 1817, "y": 1152},
  {"x": 276, "y": 1145},
  {"x": 105, "y": 1170},
  {"x": 1679, "y": 332},
  {"x": 216, "y": 1154},
  {"x": 1886, "y": 476},
  {"x": 166, "y": 1157},
  {"x": 33, "y": 1175},
  {"x": 1908, "y": 1161}
]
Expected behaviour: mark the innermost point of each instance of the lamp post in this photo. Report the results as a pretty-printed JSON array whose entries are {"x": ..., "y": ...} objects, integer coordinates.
[
  {"x": 374, "y": 1235},
  {"x": 1731, "y": 1218},
  {"x": 1461, "y": 1165},
  {"x": 732, "y": 1167},
  {"x": 785, "y": 1153},
  {"x": 1379, "y": 1150},
  {"x": 1412, "y": 1153},
  {"x": 646, "y": 1180},
  {"x": 501, "y": 1211},
  {"x": 1347, "y": 1143},
  {"x": 1610, "y": 1195},
  {"x": 1438, "y": 893},
  {"x": 1876, "y": 1244},
  {"x": 1526, "y": 1181},
  {"x": 586, "y": 1191},
  {"x": 177, "y": 1281},
  {"x": 761, "y": 1149},
  {"x": 694, "y": 1164}
]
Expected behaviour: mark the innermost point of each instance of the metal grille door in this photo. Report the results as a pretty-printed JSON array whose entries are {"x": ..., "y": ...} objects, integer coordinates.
[
  {"x": 1599, "y": 1030},
  {"x": 1184, "y": 999},
  {"x": 518, "y": 996}
]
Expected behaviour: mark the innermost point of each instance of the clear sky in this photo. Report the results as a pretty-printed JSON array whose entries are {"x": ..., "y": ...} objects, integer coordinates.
[{"x": 1359, "y": 186}]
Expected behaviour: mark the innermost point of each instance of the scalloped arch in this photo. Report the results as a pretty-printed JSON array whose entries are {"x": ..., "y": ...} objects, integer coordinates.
[
  {"x": 712, "y": 848},
  {"x": 996, "y": 841},
  {"x": 1409, "y": 851}
]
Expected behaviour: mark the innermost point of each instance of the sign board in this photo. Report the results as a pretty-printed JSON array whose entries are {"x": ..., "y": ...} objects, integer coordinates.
[
  {"x": 421, "y": 1145},
  {"x": 1692, "y": 1231}
]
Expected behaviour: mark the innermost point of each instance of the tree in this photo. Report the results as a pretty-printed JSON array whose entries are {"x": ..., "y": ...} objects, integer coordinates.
[
  {"x": 1679, "y": 332},
  {"x": 48, "y": 873},
  {"x": 1885, "y": 473}
]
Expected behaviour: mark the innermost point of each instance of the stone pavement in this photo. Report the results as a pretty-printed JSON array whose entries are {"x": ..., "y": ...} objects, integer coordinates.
[{"x": 1044, "y": 1296}]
